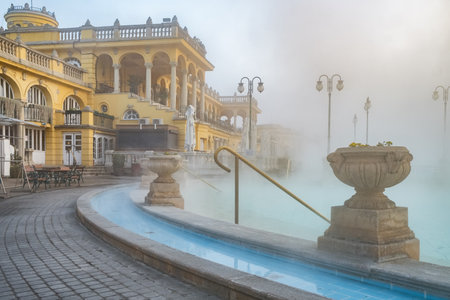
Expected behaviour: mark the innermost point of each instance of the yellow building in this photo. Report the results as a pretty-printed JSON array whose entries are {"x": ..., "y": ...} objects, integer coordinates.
[{"x": 69, "y": 94}]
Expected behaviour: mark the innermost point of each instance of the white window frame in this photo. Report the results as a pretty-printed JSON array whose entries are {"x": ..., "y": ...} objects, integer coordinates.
[
  {"x": 36, "y": 96},
  {"x": 130, "y": 114}
]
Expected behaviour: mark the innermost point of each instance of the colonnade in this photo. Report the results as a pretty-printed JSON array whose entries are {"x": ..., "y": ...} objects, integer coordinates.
[{"x": 196, "y": 84}]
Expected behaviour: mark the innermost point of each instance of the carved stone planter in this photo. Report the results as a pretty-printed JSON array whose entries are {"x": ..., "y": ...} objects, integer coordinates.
[
  {"x": 369, "y": 224},
  {"x": 370, "y": 170},
  {"x": 164, "y": 190}
]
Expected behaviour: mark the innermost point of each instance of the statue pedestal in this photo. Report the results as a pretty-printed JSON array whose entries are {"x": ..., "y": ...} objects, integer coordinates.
[
  {"x": 379, "y": 234},
  {"x": 165, "y": 194}
]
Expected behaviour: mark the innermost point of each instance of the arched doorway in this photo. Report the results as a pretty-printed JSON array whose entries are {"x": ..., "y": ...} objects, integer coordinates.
[
  {"x": 132, "y": 74},
  {"x": 104, "y": 74}
]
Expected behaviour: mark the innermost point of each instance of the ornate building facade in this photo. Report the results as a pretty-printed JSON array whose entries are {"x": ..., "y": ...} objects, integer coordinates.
[{"x": 67, "y": 95}]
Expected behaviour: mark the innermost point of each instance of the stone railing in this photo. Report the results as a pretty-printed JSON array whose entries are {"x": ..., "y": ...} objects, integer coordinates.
[
  {"x": 104, "y": 33},
  {"x": 10, "y": 107},
  {"x": 70, "y": 34},
  {"x": 116, "y": 32},
  {"x": 212, "y": 93},
  {"x": 236, "y": 99},
  {"x": 8, "y": 47},
  {"x": 42, "y": 10},
  {"x": 103, "y": 120},
  {"x": 73, "y": 71},
  {"x": 52, "y": 65},
  {"x": 38, "y": 58},
  {"x": 38, "y": 113},
  {"x": 72, "y": 117}
]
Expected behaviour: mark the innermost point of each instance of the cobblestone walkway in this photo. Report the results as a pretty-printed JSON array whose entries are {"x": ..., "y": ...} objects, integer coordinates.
[{"x": 46, "y": 253}]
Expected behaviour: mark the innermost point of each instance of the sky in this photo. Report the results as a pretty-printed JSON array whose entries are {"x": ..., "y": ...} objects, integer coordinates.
[{"x": 394, "y": 51}]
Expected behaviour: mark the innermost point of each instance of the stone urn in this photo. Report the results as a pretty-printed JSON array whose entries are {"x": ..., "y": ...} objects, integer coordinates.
[
  {"x": 370, "y": 170},
  {"x": 164, "y": 190},
  {"x": 369, "y": 224}
]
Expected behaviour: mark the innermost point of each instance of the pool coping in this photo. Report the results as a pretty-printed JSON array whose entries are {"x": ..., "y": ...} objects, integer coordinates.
[
  {"x": 223, "y": 281},
  {"x": 233, "y": 284}
]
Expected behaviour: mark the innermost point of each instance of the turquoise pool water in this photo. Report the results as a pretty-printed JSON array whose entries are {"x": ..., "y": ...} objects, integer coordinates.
[
  {"x": 117, "y": 206},
  {"x": 425, "y": 192}
]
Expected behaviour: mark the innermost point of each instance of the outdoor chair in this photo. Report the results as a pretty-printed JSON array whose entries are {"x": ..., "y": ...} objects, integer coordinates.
[
  {"x": 76, "y": 174},
  {"x": 42, "y": 177},
  {"x": 29, "y": 176},
  {"x": 63, "y": 175}
]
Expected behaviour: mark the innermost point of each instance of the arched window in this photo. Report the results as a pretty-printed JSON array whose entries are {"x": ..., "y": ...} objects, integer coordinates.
[
  {"x": 73, "y": 61},
  {"x": 36, "y": 96},
  {"x": 131, "y": 114},
  {"x": 6, "y": 89},
  {"x": 72, "y": 111},
  {"x": 71, "y": 104}
]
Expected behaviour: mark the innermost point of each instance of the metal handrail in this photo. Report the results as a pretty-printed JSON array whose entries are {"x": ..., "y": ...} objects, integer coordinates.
[{"x": 238, "y": 157}]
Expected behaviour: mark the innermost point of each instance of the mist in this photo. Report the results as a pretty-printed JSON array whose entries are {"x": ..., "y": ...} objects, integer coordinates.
[{"x": 395, "y": 52}]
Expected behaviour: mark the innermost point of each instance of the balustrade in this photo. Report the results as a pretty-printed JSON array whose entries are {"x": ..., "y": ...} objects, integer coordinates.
[
  {"x": 103, "y": 33},
  {"x": 38, "y": 113},
  {"x": 133, "y": 32},
  {"x": 72, "y": 71},
  {"x": 70, "y": 34},
  {"x": 10, "y": 107},
  {"x": 8, "y": 47},
  {"x": 161, "y": 30},
  {"x": 103, "y": 120},
  {"x": 72, "y": 117},
  {"x": 38, "y": 58}
]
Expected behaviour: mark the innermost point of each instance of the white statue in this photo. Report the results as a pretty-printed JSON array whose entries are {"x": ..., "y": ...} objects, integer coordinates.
[{"x": 189, "y": 139}]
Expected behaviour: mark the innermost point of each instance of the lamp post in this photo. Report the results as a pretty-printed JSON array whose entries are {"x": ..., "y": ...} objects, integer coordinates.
[
  {"x": 367, "y": 106},
  {"x": 240, "y": 89},
  {"x": 355, "y": 121},
  {"x": 319, "y": 87}
]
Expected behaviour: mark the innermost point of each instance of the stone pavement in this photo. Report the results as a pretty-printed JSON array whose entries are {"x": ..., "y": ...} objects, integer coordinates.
[{"x": 46, "y": 253}]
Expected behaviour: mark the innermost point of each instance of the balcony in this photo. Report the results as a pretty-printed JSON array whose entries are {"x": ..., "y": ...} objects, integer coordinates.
[
  {"x": 72, "y": 117},
  {"x": 20, "y": 53},
  {"x": 38, "y": 113},
  {"x": 103, "y": 120},
  {"x": 10, "y": 107}
]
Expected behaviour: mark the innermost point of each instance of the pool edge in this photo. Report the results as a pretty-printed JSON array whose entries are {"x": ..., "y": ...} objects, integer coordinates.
[{"x": 223, "y": 281}]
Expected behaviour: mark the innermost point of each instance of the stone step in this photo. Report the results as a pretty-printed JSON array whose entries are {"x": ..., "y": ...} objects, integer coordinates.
[{"x": 95, "y": 171}]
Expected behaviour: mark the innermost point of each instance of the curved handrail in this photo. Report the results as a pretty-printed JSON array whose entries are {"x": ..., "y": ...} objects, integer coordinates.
[{"x": 237, "y": 155}]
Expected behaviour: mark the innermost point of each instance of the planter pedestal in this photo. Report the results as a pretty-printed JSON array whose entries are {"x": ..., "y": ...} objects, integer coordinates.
[
  {"x": 164, "y": 190},
  {"x": 377, "y": 234},
  {"x": 369, "y": 224},
  {"x": 165, "y": 194}
]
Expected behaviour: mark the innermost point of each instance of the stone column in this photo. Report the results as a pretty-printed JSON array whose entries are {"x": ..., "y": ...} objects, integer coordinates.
[
  {"x": 116, "y": 78},
  {"x": 173, "y": 84},
  {"x": 184, "y": 91},
  {"x": 194, "y": 92},
  {"x": 234, "y": 122},
  {"x": 202, "y": 101},
  {"x": 21, "y": 133},
  {"x": 148, "y": 81}
]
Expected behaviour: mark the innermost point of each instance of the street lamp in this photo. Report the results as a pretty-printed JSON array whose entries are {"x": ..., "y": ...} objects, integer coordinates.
[
  {"x": 355, "y": 121},
  {"x": 445, "y": 98},
  {"x": 367, "y": 106},
  {"x": 240, "y": 89},
  {"x": 319, "y": 87}
]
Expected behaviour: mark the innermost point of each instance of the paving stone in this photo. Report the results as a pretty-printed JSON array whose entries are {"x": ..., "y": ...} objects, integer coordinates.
[{"x": 46, "y": 253}]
